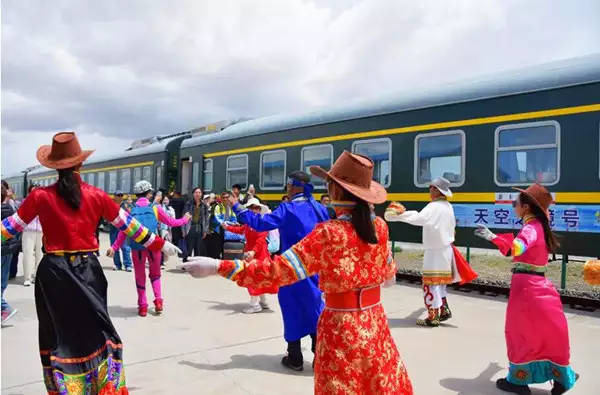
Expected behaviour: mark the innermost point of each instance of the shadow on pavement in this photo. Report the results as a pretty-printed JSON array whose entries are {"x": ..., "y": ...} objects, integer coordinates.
[
  {"x": 265, "y": 363},
  {"x": 233, "y": 308}
]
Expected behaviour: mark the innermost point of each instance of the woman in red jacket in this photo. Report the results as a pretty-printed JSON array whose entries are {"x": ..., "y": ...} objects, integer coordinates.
[
  {"x": 80, "y": 349},
  {"x": 257, "y": 246}
]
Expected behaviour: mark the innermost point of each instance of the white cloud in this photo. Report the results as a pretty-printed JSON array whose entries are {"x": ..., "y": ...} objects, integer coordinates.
[{"x": 116, "y": 70}]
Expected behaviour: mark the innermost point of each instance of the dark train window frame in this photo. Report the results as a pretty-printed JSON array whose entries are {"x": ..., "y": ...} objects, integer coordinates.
[
  {"x": 147, "y": 174},
  {"x": 99, "y": 184},
  {"x": 205, "y": 171},
  {"x": 260, "y": 173},
  {"x": 137, "y": 175},
  {"x": 322, "y": 185},
  {"x": 228, "y": 184},
  {"x": 158, "y": 176},
  {"x": 92, "y": 177},
  {"x": 463, "y": 157},
  {"x": 390, "y": 149},
  {"x": 112, "y": 173},
  {"x": 525, "y": 125}
]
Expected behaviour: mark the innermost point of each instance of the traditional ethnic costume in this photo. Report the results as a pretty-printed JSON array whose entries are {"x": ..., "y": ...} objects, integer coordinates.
[
  {"x": 356, "y": 353},
  {"x": 537, "y": 334},
  {"x": 151, "y": 216},
  {"x": 440, "y": 257},
  {"x": 257, "y": 243},
  {"x": 301, "y": 303},
  {"x": 80, "y": 349}
]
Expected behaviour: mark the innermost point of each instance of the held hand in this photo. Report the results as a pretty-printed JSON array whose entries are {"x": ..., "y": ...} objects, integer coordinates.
[
  {"x": 393, "y": 210},
  {"x": 187, "y": 216},
  {"x": 110, "y": 253},
  {"x": 248, "y": 256},
  {"x": 170, "y": 249},
  {"x": 201, "y": 266},
  {"x": 483, "y": 232},
  {"x": 389, "y": 282}
]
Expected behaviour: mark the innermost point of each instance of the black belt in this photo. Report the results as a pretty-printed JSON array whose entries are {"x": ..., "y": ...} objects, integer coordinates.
[
  {"x": 520, "y": 271},
  {"x": 75, "y": 258}
]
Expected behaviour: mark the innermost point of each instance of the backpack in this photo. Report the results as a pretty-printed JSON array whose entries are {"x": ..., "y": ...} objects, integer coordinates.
[{"x": 148, "y": 217}]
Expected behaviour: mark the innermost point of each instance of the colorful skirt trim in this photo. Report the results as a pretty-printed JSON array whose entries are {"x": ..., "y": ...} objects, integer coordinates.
[
  {"x": 80, "y": 350},
  {"x": 538, "y": 372}
]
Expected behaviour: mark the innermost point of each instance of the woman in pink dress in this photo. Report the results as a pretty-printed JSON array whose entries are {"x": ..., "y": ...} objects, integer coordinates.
[{"x": 537, "y": 335}]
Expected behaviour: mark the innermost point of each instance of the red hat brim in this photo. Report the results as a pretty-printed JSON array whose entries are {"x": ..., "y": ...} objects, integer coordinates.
[{"x": 43, "y": 156}]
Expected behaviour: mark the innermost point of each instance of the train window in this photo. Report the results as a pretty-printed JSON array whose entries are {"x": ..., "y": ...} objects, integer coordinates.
[
  {"x": 196, "y": 174},
  {"x": 527, "y": 153},
  {"x": 147, "y": 174},
  {"x": 158, "y": 177},
  {"x": 112, "y": 181},
  {"x": 440, "y": 154},
  {"x": 126, "y": 180},
  {"x": 317, "y": 155},
  {"x": 137, "y": 175},
  {"x": 207, "y": 175},
  {"x": 100, "y": 180},
  {"x": 380, "y": 151},
  {"x": 91, "y": 179},
  {"x": 272, "y": 169},
  {"x": 237, "y": 171}
]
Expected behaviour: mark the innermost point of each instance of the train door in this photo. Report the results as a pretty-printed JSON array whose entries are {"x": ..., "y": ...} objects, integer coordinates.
[{"x": 186, "y": 176}]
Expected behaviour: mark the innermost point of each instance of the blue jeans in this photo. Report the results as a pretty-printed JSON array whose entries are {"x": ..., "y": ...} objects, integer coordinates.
[
  {"x": 6, "y": 259},
  {"x": 126, "y": 252}
]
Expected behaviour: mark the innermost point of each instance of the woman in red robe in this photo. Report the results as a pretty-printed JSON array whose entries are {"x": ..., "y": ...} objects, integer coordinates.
[
  {"x": 80, "y": 349},
  {"x": 355, "y": 351},
  {"x": 257, "y": 245}
]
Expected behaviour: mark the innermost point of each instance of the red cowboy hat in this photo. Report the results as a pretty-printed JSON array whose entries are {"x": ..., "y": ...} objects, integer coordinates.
[
  {"x": 539, "y": 195},
  {"x": 354, "y": 173},
  {"x": 64, "y": 153}
]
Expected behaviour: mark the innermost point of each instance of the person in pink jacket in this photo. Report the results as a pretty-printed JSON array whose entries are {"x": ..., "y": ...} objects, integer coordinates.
[{"x": 150, "y": 216}]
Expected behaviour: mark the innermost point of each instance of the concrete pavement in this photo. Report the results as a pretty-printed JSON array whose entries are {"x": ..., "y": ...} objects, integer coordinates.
[{"x": 203, "y": 344}]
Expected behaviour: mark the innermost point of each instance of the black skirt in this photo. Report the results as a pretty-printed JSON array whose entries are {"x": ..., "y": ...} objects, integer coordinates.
[{"x": 80, "y": 349}]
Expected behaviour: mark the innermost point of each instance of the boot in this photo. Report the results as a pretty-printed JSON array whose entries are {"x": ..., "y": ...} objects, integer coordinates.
[
  {"x": 433, "y": 318},
  {"x": 158, "y": 306},
  {"x": 294, "y": 359},
  {"x": 445, "y": 313},
  {"x": 559, "y": 389},
  {"x": 504, "y": 385},
  {"x": 143, "y": 311}
]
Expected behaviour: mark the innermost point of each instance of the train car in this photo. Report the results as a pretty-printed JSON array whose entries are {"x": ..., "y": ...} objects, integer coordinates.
[
  {"x": 540, "y": 124},
  {"x": 154, "y": 159}
]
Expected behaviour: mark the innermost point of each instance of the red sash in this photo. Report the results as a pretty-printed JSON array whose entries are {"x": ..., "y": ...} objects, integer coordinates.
[{"x": 466, "y": 272}]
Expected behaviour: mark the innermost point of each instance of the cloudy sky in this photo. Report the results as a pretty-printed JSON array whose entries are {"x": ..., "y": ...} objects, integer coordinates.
[{"x": 118, "y": 70}]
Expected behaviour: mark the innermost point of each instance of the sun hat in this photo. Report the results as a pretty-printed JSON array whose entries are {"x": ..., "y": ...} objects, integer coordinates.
[
  {"x": 142, "y": 187},
  {"x": 442, "y": 185},
  {"x": 255, "y": 202},
  {"x": 354, "y": 173}
]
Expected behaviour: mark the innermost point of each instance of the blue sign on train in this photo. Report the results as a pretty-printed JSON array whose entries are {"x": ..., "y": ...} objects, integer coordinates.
[{"x": 563, "y": 218}]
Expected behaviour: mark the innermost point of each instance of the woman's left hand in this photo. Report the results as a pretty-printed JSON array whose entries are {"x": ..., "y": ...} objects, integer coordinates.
[{"x": 201, "y": 266}]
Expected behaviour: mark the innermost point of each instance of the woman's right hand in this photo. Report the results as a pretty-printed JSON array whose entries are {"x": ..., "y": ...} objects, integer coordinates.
[
  {"x": 110, "y": 253},
  {"x": 187, "y": 216},
  {"x": 483, "y": 232},
  {"x": 170, "y": 249}
]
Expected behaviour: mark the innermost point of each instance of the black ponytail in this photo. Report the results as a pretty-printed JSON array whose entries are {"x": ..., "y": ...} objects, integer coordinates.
[
  {"x": 363, "y": 223},
  {"x": 68, "y": 187},
  {"x": 550, "y": 238}
]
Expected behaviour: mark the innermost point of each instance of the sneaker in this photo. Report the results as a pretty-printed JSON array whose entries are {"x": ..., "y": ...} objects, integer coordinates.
[
  {"x": 8, "y": 314},
  {"x": 265, "y": 305},
  {"x": 158, "y": 306},
  {"x": 117, "y": 269},
  {"x": 252, "y": 309},
  {"x": 27, "y": 283},
  {"x": 128, "y": 269},
  {"x": 143, "y": 311}
]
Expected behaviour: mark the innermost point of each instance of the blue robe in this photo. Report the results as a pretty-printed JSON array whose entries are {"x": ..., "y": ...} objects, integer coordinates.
[{"x": 301, "y": 303}]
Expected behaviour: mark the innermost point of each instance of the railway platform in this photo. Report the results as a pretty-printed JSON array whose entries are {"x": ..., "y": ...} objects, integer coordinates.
[{"x": 203, "y": 344}]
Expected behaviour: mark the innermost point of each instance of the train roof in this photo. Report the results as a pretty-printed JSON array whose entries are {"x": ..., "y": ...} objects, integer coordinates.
[
  {"x": 159, "y": 146},
  {"x": 568, "y": 72}
]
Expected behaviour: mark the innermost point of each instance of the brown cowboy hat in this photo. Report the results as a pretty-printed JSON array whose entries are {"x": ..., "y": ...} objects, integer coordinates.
[
  {"x": 539, "y": 195},
  {"x": 354, "y": 173},
  {"x": 65, "y": 152}
]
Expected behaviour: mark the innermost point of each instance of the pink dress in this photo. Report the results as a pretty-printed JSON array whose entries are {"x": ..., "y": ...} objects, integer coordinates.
[{"x": 537, "y": 335}]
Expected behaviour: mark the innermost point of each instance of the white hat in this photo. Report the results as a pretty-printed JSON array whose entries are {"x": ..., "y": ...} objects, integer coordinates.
[
  {"x": 142, "y": 187},
  {"x": 255, "y": 202},
  {"x": 442, "y": 185}
]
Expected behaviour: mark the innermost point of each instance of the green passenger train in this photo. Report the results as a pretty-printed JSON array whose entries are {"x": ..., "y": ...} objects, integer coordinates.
[{"x": 488, "y": 136}]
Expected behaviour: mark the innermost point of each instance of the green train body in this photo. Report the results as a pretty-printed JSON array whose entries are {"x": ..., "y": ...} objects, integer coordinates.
[{"x": 487, "y": 136}]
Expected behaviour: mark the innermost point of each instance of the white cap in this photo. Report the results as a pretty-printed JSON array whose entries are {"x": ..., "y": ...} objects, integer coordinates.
[
  {"x": 255, "y": 202},
  {"x": 142, "y": 187},
  {"x": 442, "y": 185}
]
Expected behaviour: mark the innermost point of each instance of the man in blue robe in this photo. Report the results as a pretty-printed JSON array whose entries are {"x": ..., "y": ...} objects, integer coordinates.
[{"x": 301, "y": 303}]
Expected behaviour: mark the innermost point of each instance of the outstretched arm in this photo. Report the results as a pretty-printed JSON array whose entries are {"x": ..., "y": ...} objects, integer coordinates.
[
  {"x": 298, "y": 263},
  {"x": 168, "y": 220},
  {"x": 261, "y": 222},
  {"x": 26, "y": 213},
  {"x": 507, "y": 243},
  {"x": 396, "y": 213}
]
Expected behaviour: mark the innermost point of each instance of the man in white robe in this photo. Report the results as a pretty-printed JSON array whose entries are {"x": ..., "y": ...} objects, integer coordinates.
[{"x": 439, "y": 268}]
